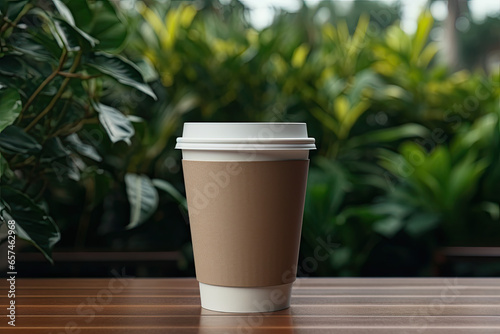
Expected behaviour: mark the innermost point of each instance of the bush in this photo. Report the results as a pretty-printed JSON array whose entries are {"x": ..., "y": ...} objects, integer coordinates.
[
  {"x": 408, "y": 151},
  {"x": 56, "y": 63}
]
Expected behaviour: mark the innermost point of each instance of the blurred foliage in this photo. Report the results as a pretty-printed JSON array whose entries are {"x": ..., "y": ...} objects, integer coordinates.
[
  {"x": 408, "y": 155},
  {"x": 57, "y": 61}
]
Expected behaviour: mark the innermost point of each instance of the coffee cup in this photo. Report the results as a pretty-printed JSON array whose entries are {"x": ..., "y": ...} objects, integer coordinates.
[{"x": 245, "y": 189}]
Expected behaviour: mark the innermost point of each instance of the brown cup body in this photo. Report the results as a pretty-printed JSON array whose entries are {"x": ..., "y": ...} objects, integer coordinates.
[{"x": 245, "y": 220}]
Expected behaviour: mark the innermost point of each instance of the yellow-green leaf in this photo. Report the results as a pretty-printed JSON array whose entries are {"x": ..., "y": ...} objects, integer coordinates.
[
  {"x": 299, "y": 55},
  {"x": 340, "y": 107}
]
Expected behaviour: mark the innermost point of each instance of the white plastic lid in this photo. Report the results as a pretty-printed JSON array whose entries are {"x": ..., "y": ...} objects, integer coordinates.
[{"x": 245, "y": 136}]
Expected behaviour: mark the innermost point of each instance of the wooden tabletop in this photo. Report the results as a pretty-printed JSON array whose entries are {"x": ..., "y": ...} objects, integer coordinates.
[{"x": 319, "y": 305}]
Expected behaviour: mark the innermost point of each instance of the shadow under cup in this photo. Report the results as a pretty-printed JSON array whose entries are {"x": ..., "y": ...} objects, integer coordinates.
[{"x": 245, "y": 188}]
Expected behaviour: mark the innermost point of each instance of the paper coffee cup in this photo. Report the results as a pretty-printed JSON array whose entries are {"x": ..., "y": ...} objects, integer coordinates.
[{"x": 245, "y": 187}]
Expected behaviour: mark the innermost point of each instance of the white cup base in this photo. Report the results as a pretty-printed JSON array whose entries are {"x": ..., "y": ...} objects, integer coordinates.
[{"x": 247, "y": 299}]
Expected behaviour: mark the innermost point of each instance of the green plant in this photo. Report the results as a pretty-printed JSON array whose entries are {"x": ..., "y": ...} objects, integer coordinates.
[
  {"x": 364, "y": 96},
  {"x": 57, "y": 63},
  {"x": 372, "y": 101}
]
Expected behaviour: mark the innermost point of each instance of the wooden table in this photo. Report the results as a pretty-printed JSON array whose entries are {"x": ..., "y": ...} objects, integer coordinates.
[{"x": 321, "y": 305}]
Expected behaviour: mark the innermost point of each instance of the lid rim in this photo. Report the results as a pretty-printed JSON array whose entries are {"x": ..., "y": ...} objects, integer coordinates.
[
  {"x": 244, "y": 140},
  {"x": 246, "y": 148}
]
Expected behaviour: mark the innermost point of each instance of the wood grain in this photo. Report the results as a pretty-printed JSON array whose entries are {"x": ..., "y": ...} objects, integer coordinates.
[{"x": 323, "y": 305}]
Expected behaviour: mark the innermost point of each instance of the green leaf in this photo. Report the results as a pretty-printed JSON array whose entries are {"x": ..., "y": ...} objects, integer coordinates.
[
  {"x": 14, "y": 140},
  {"x": 120, "y": 69},
  {"x": 170, "y": 189},
  {"x": 11, "y": 66},
  {"x": 493, "y": 209},
  {"x": 5, "y": 170},
  {"x": 424, "y": 26},
  {"x": 10, "y": 107},
  {"x": 463, "y": 179},
  {"x": 326, "y": 119},
  {"x": 107, "y": 26},
  {"x": 72, "y": 37},
  {"x": 143, "y": 198},
  {"x": 32, "y": 223},
  {"x": 389, "y": 135},
  {"x": 53, "y": 149},
  {"x": 26, "y": 44},
  {"x": 115, "y": 123},
  {"x": 64, "y": 11},
  {"x": 70, "y": 28},
  {"x": 84, "y": 149},
  {"x": 420, "y": 223},
  {"x": 68, "y": 168},
  {"x": 388, "y": 227},
  {"x": 81, "y": 13},
  {"x": 14, "y": 8}
]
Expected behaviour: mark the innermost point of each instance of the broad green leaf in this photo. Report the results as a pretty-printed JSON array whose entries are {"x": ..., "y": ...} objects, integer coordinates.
[
  {"x": 53, "y": 149},
  {"x": 84, "y": 149},
  {"x": 395, "y": 163},
  {"x": 493, "y": 209},
  {"x": 64, "y": 169},
  {"x": 390, "y": 209},
  {"x": 11, "y": 66},
  {"x": 364, "y": 80},
  {"x": 424, "y": 26},
  {"x": 32, "y": 223},
  {"x": 107, "y": 26},
  {"x": 85, "y": 39},
  {"x": 463, "y": 178},
  {"x": 143, "y": 198},
  {"x": 10, "y": 107},
  {"x": 14, "y": 140},
  {"x": 14, "y": 8},
  {"x": 428, "y": 54},
  {"x": 120, "y": 69},
  {"x": 27, "y": 44},
  {"x": 72, "y": 37},
  {"x": 478, "y": 136},
  {"x": 352, "y": 117},
  {"x": 115, "y": 123},
  {"x": 51, "y": 43},
  {"x": 64, "y": 11},
  {"x": 326, "y": 119},
  {"x": 5, "y": 170},
  {"x": 299, "y": 55},
  {"x": 187, "y": 15},
  {"x": 152, "y": 19},
  {"x": 360, "y": 33},
  {"x": 341, "y": 107},
  {"x": 420, "y": 223},
  {"x": 341, "y": 256},
  {"x": 388, "y": 227},
  {"x": 170, "y": 189},
  {"x": 81, "y": 12},
  {"x": 389, "y": 135},
  {"x": 428, "y": 185},
  {"x": 438, "y": 164}
]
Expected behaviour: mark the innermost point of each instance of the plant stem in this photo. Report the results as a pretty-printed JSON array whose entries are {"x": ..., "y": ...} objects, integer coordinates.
[
  {"x": 26, "y": 162},
  {"x": 61, "y": 114},
  {"x": 43, "y": 84},
  {"x": 78, "y": 75},
  {"x": 16, "y": 20},
  {"x": 58, "y": 94}
]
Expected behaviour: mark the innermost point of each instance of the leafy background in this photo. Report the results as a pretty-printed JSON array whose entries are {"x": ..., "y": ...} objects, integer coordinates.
[{"x": 93, "y": 95}]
